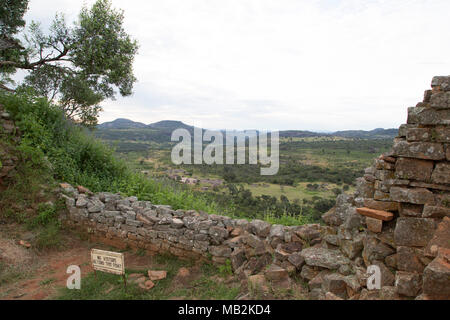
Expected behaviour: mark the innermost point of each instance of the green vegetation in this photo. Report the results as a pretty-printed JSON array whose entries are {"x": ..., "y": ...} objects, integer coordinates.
[
  {"x": 78, "y": 66},
  {"x": 204, "y": 284}
]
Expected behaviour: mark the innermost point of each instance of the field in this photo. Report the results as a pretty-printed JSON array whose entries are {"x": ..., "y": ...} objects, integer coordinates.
[{"x": 313, "y": 170}]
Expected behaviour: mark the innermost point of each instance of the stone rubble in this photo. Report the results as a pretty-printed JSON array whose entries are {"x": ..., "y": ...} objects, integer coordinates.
[{"x": 398, "y": 219}]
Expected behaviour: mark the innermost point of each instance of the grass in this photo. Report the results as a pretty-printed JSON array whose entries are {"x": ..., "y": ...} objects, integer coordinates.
[{"x": 105, "y": 286}]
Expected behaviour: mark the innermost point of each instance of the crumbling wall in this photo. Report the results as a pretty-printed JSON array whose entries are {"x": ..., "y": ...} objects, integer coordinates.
[
  {"x": 398, "y": 220},
  {"x": 9, "y": 136}
]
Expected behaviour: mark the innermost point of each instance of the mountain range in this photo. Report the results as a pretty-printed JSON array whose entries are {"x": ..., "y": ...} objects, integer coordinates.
[{"x": 165, "y": 128}]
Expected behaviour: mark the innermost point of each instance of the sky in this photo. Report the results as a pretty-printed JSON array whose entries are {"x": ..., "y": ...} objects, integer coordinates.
[{"x": 320, "y": 65}]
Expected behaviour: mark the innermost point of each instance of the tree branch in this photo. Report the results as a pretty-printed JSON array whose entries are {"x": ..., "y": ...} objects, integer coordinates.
[{"x": 6, "y": 88}]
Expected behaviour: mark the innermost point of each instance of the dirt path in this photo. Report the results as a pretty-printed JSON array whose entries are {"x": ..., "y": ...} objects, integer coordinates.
[{"x": 37, "y": 275}]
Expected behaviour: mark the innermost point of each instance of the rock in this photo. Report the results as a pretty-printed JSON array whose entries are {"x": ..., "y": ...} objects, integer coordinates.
[
  {"x": 147, "y": 285},
  {"x": 436, "y": 276},
  {"x": 260, "y": 228},
  {"x": 220, "y": 251},
  {"x": 81, "y": 202},
  {"x": 414, "y": 169},
  {"x": 376, "y": 214},
  {"x": 435, "y": 212},
  {"x": 308, "y": 232},
  {"x": 408, "y": 284},
  {"x": 389, "y": 293},
  {"x": 277, "y": 231},
  {"x": 335, "y": 283},
  {"x": 183, "y": 272},
  {"x": 410, "y": 210},
  {"x": 365, "y": 189},
  {"x": 177, "y": 223},
  {"x": 352, "y": 248},
  {"x": 258, "y": 283},
  {"x": 375, "y": 250},
  {"x": 321, "y": 257},
  {"x": 381, "y": 205},
  {"x": 336, "y": 216},
  {"x": 157, "y": 275},
  {"x": 412, "y": 195},
  {"x": 332, "y": 296},
  {"x": 297, "y": 260},
  {"x": 84, "y": 190},
  {"x": 414, "y": 232},
  {"x": 237, "y": 258},
  {"x": 440, "y": 83},
  {"x": 410, "y": 259},
  {"x": 276, "y": 273},
  {"x": 95, "y": 205},
  {"x": 374, "y": 225},
  {"x": 317, "y": 294},
  {"x": 420, "y": 150},
  {"x": 308, "y": 273},
  {"x": 25, "y": 244},
  {"x": 441, "y": 238},
  {"x": 441, "y": 174},
  {"x": 391, "y": 261},
  {"x": 387, "y": 277}
]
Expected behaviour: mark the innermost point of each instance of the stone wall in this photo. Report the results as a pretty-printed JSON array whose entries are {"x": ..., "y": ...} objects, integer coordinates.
[{"x": 398, "y": 219}]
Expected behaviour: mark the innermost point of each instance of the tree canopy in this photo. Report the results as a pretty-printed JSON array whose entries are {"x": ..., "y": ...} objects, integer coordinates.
[{"x": 76, "y": 66}]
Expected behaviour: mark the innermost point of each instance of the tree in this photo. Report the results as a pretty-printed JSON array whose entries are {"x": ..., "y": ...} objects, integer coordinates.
[
  {"x": 78, "y": 67},
  {"x": 11, "y": 21}
]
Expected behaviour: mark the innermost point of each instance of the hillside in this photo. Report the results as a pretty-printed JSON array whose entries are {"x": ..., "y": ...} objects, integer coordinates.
[{"x": 160, "y": 132}]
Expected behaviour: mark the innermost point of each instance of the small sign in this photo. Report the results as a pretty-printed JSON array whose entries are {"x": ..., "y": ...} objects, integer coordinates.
[{"x": 108, "y": 261}]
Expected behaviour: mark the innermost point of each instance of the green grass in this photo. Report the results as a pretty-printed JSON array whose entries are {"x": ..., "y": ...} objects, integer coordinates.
[{"x": 103, "y": 286}]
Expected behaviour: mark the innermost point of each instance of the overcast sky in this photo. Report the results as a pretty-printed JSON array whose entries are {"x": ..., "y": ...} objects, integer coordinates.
[{"x": 277, "y": 64}]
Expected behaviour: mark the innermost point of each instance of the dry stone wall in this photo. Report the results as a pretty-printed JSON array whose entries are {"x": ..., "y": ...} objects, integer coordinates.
[{"x": 398, "y": 219}]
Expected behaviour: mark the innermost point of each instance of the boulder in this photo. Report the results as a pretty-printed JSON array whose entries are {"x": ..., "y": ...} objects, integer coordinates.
[{"x": 325, "y": 258}]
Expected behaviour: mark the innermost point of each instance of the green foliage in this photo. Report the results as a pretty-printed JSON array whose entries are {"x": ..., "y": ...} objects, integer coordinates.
[
  {"x": 11, "y": 16},
  {"x": 80, "y": 65},
  {"x": 225, "y": 270}
]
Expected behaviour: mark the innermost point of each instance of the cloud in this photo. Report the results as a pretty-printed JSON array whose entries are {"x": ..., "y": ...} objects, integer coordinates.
[{"x": 278, "y": 64}]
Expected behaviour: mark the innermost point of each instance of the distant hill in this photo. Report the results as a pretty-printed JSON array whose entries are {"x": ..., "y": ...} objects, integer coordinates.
[
  {"x": 128, "y": 131},
  {"x": 373, "y": 134},
  {"x": 121, "y": 124}
]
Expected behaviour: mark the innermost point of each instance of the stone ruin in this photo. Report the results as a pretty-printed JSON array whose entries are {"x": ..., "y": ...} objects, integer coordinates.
[{"x": 398, "y": 220}]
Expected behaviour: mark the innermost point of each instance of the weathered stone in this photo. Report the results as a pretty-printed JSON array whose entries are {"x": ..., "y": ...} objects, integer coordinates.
[
  {"x": 177, "y": 223},
  {"x": 441, "y": 238},
  {"x": 375, "y": 250},
  {"x": 389, "y": 293},
  {"x": 365, "y": 188},
  {"x": 414, "y": 232},
  {"x": 441, "y": 174},
  {"x": 419, "y": 150},
  {"x": 237, "y": 258},
  {"x": 381, "y": 205},
  {"x": 412, "y": 195},
  {"x": 418, "y": 134},
  {"x": 374, "y": 225},
  {"x": 326, "y": 258},
  {"x": 308, "y": 232},
  {"x": 436, "y": 276},
  {"x": 408, "y": 284},
  {"x": 384, "y": 175},
  {"x": 410, "y": 210},
  {"x": 259, "y": 228},
  {"x": 391, "y": 261},
  {"x": 336, "y": 284},
  {"x": 220, "y": 251},
  {"x": 277, "y": 231},
  {"x": 376, "y": 214},
  {"x": 276, "y": 273},
  {"x": 157, "y": 275},
  {"x": 337, "y": 215},
  {"x": 296, "y": 259},
  {"x": 435, "y": 212},
  {"x": 258, "y": 283},
  {"x": 413, "y": 169},
  {"x": 440, "y": 83},
  {"x": 410, "y": 259},
  {"x": 428, "y": 116},
  {"x": 81, "y": 202},
  {"x": 352, "y": 248},
  {"x": 308, "y": 273}
]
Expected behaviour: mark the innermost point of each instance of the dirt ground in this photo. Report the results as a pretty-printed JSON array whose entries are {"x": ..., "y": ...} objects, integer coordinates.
[{"x": 36, "y": 275}]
